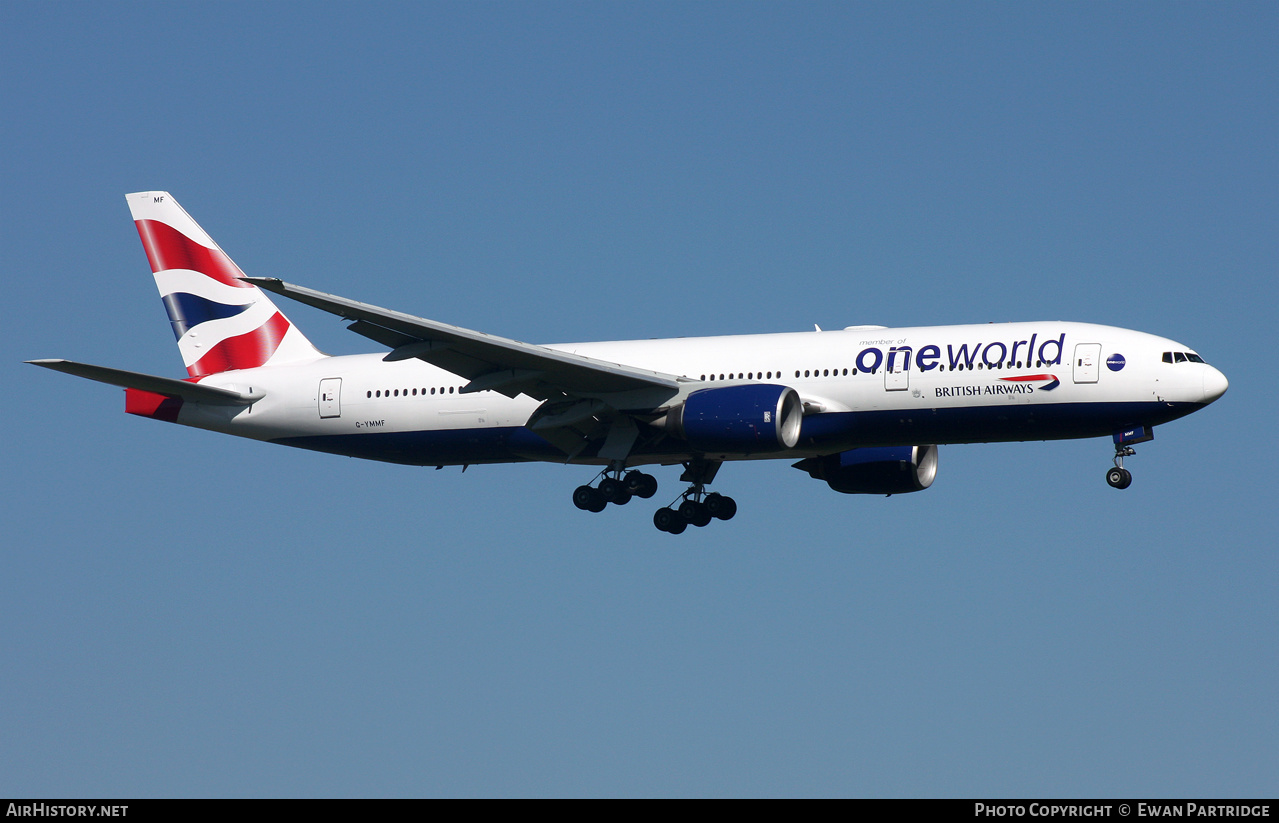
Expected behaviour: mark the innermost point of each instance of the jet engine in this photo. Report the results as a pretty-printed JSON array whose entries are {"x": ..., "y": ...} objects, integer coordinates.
[
  {"x": 745, "y": 419},
  {"x": 878, "y": 470}
]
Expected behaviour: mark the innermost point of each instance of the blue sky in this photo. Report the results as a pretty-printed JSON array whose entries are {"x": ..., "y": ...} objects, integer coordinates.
[{"x": 184, "y": 614}]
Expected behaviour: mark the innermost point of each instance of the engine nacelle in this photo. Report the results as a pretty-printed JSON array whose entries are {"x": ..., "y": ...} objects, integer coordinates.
[
  {"x": 877, "y": 470},
  {"x": 746, "y": 419}
]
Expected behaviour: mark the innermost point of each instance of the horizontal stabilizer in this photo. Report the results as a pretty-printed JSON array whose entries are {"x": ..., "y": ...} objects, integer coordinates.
[{"x": 158, "y": 385}]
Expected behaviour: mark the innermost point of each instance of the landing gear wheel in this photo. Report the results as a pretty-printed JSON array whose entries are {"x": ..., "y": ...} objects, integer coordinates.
[
  {"x": 1119, "y": 478},
  {"x": 720, "y": 506},
  {"x": 640, "y": 484},
  {"x": 669, "y": 520},
  {"x": 695, "y": 513},
  {"x": 615, "y": 491},
  {"x": 589, "y": 499}
]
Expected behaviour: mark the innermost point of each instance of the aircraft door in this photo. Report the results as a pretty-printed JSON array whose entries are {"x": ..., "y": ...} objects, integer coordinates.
[
  {"x": 1087, "y": 362},
  {"x": 897, "y": 370},
  {"x": 331, "y": 397}
]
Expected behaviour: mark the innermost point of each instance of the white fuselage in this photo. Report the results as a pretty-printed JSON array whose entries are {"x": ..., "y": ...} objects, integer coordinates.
[{"x": 861, "y": 386}]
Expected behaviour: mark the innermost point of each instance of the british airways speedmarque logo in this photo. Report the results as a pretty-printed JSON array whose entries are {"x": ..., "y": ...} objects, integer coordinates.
[{"x": 1052, "y": 383}]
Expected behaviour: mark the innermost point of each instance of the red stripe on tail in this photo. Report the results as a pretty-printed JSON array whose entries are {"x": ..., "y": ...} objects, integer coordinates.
[
  {"x": 168, "y": 248},
  {"x": 245, "y": 351}
]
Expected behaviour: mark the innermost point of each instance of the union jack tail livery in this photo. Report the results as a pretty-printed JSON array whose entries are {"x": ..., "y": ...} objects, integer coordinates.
[{"x": 221, "y": 322}]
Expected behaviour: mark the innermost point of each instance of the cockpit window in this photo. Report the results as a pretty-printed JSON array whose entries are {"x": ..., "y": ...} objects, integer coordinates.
[{"x": 1182, "y": 357}]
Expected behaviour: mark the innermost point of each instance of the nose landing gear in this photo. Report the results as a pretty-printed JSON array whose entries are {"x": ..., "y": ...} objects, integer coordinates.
[{"x": 1119, "y": 477}]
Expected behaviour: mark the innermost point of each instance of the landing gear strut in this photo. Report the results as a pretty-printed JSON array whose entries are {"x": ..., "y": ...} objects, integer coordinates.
[
  {"x": 1119, "y": 477},
  {"x": 614, "y": 488},
  {"x": 696, "y": 507}
]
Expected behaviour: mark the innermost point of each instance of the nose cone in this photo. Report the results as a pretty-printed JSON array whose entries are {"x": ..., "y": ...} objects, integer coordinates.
[{"x": 1215, "y": 384}]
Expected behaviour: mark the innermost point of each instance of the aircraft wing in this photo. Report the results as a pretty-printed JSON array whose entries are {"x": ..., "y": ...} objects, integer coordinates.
[{"x": 490, "y": 363}]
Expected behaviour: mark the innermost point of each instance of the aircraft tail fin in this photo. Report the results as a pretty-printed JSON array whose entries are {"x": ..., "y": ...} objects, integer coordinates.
[{"x": 220, "y": 321}]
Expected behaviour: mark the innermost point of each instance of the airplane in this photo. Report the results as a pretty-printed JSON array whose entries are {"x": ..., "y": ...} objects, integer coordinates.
[{"x": 863, "y": 408}]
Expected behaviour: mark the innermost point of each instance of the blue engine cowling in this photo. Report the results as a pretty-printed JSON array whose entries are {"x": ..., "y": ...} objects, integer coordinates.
[
  {"x": 879, "y": 470},
  {"x": 746, "y": 419}
]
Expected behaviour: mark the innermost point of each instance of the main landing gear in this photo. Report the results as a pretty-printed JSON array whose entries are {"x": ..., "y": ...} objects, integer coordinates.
[
  {"x": 696, "y": 507},
  {"x": 695, "y": 510},
  {"x": 1119, "y": 477},
  {"x": 614, "y": 488}
]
